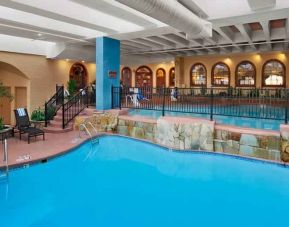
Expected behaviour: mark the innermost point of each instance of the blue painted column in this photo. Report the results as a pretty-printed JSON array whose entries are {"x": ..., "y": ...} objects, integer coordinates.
[{"x": 107, "y": 70}]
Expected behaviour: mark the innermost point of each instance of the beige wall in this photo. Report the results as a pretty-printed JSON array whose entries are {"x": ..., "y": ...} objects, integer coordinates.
[
  {"x": 38, "y": 74},
  {"x": 183, "y": 66},
  {"x": 232, "y": 61},
  {"x": 154, "y": 68}
]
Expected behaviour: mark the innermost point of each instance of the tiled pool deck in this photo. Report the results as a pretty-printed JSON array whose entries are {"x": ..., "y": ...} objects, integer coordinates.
[{"x": 54, "y": 144}]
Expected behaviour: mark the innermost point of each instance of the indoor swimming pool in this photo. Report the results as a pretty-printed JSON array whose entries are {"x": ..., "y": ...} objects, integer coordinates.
[{"x": 125, "y": 182}]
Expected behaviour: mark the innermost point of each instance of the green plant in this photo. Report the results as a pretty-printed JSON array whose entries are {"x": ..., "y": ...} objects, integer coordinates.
[
  {"x": 203, "y": 90},
  {"x": 38, "y": 115},
  {"x": 230, "y": 91},
  {"x": 50, "y": 113},
  {"x": 72, "y": 87},
  {"x": 4, "y": 92},
  {"x": 1, "y": 123},
  {"x": 254, "y": 93}
]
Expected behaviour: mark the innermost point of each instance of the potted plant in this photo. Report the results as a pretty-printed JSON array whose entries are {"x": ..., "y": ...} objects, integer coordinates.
[
  {"x": 4, "y": 93},
  {"x": 38, "y": 118},
  {"x": 71, "y": 87}
]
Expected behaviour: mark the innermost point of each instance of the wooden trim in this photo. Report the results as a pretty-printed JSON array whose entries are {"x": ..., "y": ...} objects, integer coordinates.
[
  {"x": 170, "y": 72},
  {"x": 212, "y": 75},
  {"x": 85, "y": 69},
  {"x": 191, "y": 69},
  {"x": 130, "y": 72},
  {"x": 236, "y": 74},
  {"x": 151, "y": 72},
  {"x": 284, "y": 76},
  {"x": 164, "y": 71}
]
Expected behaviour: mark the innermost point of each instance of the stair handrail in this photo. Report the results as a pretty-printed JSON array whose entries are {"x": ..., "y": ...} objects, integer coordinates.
[
  {"x": 53, "y": 104},
  {"x": 74, "y": 106}
]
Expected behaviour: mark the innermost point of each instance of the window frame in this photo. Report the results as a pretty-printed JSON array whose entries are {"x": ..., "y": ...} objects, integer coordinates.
[
  {"x": 191, "y": 75},
  {"x": 128, "y": 68},
  {"x": 212, "y": 75},
  {"x": 284, "y": 74},
  {"x": 236, "y": 74}
]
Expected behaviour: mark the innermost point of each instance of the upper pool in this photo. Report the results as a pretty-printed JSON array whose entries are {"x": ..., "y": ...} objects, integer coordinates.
[
  {"x": 124, "y": 182},
  {"x": 228, "y": 120}
]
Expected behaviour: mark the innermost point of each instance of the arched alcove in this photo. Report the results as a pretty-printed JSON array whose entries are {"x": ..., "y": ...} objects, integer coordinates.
[{"x": 19, "y": 85}]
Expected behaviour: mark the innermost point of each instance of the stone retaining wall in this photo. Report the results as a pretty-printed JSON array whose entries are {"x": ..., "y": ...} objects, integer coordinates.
[
  {"x": 252, "y": 143},
  {"x": 140, "y": 128},
  {"x": 185, "y": 133}
]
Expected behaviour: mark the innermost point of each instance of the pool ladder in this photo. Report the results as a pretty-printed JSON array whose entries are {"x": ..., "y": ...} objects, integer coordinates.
[
  {"x": 4, "y": 175},
  {"x": 93, "y": 138}
]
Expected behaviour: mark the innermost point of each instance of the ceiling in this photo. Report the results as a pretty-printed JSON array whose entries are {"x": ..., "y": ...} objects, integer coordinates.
[{"x": 67, "y": 29}]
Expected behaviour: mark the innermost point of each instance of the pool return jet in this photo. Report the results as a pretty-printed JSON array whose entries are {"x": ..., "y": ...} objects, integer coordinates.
[{"x": 92, "y": 133}]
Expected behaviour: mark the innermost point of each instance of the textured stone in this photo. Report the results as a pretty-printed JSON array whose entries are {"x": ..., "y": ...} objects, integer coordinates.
[
  {"x": 122, "y": 130},
  {"x": 274, "y": 143},
  {"x": 249, "y": 140},
  {"x": 195, "y": 136}
]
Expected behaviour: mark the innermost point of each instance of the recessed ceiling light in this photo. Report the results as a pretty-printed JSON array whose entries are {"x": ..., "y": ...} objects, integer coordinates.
[
  {"x": 82, "y": 61},
  {"x": 66, "y": 59},
  {"x": 39, "y": 34}
]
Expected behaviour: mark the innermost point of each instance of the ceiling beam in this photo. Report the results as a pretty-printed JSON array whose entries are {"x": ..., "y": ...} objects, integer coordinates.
[
  {"x": 245, "y": 32},
  {"x": 267, "y": 32}
]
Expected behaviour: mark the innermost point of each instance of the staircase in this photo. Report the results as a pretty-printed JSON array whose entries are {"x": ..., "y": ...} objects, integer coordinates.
[
  {"x": 63, "y": 122},
  {"x": 55, "y": 126}
]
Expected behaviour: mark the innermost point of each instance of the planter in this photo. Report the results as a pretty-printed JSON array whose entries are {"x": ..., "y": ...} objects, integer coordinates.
[
  {"x": 38, "y": 124},
  {"x": 7, "y": 132}
]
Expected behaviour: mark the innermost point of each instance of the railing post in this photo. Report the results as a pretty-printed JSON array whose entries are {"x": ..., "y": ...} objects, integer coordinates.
[
  {"x": 211, "y": 104},
  {"x": 286, "y": 106},
  {"x": 164, "y": 100},
  {"x": 87, "y": 97},
  {"x": 112, "y": 97},
  {"x": 63, "y": 124},
  {"x": 120, "y": 94},
  {"x": 45, "y": 113}
]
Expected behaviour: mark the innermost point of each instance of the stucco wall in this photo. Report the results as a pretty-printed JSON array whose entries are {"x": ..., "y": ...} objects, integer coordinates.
[
  {"x": 184, "y": 64},
  {"x": 154, "y": 67},
  {"x": 38, "y": 74}
]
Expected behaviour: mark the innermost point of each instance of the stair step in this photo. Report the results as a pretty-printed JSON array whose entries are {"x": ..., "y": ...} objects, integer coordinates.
[
  {"x": 57, "y": 118},
  {"x": 56, "y": 124},
  {"x": 54, "y": 130}
]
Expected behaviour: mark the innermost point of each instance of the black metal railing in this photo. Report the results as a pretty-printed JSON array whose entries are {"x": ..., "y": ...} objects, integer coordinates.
[
  {"x": 53, "y": 104},
  {"x": 237, "y": 102},
  {"x": 74, "y": 106}
]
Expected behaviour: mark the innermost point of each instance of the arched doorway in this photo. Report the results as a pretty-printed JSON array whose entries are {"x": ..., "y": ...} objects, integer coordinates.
[
  {"x": 126, "y": 77},
  {"x": 161, "y": 77},
  {"x": 172, "y": 77},
  {"x": 144, "y": 77},
  {"x": 18, "y": 84},
  {"x": 79, "y": 73}
]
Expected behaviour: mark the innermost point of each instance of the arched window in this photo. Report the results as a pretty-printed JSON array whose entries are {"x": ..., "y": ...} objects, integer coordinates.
[
  {"x": 161, "y": 77},
  {"x": 273, "y": 74},
  {"x": 78, "y": 73},
  {"x": 198, "y": 75},
  {"x": 143, "y": 77},
  {"x": 221, "y": 75},
  {"x": 245, "y": 74},
  {"x": 126, "y": 77},
  {"x": 172, "y": 77}
]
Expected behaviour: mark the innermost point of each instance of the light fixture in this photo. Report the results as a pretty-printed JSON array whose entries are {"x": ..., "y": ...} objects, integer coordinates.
[
  {"x": 39, "y": 34},
  {"x": 83, "y": 61},
  {"x": 66, "y": 59}
]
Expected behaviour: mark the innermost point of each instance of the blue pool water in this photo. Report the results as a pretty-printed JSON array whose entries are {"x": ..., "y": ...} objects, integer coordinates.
[
  {"x": 123, "y": 182},
  {"x": 228, "y": 120}
]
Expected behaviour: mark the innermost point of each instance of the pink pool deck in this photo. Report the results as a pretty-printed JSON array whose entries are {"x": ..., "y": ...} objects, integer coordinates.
[{"x": 53, "y": 145}]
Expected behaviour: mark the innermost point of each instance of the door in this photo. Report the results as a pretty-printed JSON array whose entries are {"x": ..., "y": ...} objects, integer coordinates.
[
  {"x": 5, "y": 109},
  {"x": 20, "y": 97}
]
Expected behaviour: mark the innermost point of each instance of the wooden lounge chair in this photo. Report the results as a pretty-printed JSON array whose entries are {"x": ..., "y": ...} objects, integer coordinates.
[{"x": 24, "y": 126}]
